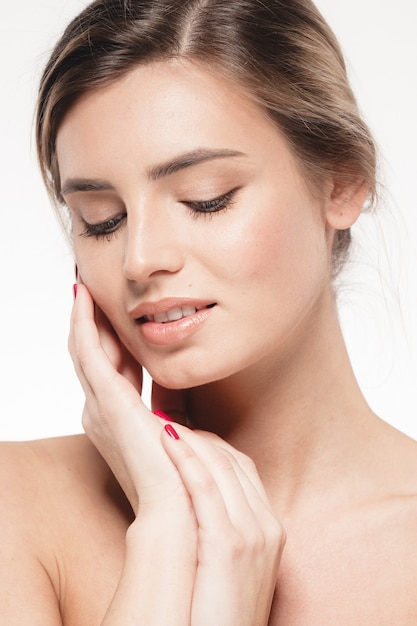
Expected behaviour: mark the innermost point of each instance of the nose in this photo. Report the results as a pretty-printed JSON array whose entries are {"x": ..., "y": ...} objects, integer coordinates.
[{"x": 153, "y": 245}]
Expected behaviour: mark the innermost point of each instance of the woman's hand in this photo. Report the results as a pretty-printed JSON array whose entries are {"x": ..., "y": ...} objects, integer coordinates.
[
  {"x": 205, "y": 546},
  {"x": 239, "y": 540},
  {"x": 159, "y": 570},
  {"x": 122, "y": 428}
]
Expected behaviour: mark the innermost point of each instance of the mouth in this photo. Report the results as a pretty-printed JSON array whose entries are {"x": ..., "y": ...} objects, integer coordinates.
[{"x": 173, "y": 315}]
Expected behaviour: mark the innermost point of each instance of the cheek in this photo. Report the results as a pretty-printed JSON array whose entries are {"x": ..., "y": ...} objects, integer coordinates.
[
  {"x": 284, "y": 257},
  {"x": 99, "y": 271}
]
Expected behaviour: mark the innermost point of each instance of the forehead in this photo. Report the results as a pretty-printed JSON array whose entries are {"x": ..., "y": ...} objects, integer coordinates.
[{"x": 157, "y": 111}]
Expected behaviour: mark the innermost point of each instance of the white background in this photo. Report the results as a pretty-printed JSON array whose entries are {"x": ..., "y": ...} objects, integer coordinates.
[{"x": 39, "y": 394}]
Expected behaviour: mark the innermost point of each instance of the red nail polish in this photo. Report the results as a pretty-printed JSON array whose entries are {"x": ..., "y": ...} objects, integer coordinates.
[
  {"x": 163, "y": 415},
  {"x": 171, "y": 431},
  {"x": 75, "y": 287}
]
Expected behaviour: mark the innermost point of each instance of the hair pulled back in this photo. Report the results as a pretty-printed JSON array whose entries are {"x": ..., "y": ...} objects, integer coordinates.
[{"x": 282, "y": 52}]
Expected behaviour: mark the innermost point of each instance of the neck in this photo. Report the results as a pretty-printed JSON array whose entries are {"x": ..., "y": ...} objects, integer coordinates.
[{"x": 299, "y": 417}]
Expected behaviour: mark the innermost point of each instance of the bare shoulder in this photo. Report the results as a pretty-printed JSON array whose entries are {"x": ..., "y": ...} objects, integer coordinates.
[
  {"x": 395, "y": 504},
  {"x": 397, "y": 466},
  {"x": 381, "y": 536},
  {"x": 401, "y": 475},
  {"x": 34, "y": 473},
  {"x": 358, "y": 561},
  {"x": 62, "y": 452},
  {"x": 388, "y": 536},
  {"x": 59, "y": 505},
  {"x": 52, "y": 483}
]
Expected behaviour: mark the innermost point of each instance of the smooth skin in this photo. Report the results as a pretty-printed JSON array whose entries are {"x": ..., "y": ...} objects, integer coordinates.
[
  {"x": 196, "y": 572},
  {"x": 290, "y": 503}
]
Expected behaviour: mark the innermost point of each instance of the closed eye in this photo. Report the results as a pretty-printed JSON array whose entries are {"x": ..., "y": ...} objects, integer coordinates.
[
  {"x": 103, "y": 229},
  {"x": 214, "y": 205}
]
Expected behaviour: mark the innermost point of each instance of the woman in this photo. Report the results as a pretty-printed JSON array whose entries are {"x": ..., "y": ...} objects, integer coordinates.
[{"x": 210, "y": 159}]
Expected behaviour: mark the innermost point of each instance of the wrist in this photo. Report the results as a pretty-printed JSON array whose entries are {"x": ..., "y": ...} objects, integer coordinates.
[
  {"x": 159, "y": 571},
  {"x": 161, "y": 521}
]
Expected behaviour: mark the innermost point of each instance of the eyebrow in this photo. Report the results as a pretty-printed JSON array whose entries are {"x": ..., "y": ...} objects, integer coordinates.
[
  {"x": 182, "y": 162},
  {"x": 72, "y": 185},
  {"x": 189, "y": 159}
]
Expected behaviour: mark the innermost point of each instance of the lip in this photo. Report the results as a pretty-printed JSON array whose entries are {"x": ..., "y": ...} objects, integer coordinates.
[
  {"x": 164, "y": 305},
  {"x": 170, "y": 333}
]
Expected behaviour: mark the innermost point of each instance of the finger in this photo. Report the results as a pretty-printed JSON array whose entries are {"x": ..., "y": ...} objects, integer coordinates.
[
  {"x": 243, "y": 466},
  {"x": 208, "y": 503},
  {"x": 118, "y": 354},
  {"x": 84, "y": 340},
  {"x": 116, "y": 393},
  {"x": 78, "y": 369},
  {"x": 252, "y": 487},
  {"x": 95, "y": 362},
  {"x": 245, "y": 463},
  {"x": 206, "y": 465}
]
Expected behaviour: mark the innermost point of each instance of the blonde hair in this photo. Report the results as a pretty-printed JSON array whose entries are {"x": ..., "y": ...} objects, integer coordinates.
[{"x": 281, "y": 51}]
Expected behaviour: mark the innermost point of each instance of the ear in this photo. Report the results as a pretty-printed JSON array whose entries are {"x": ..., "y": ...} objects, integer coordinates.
[{"x": 345, "y": 203}]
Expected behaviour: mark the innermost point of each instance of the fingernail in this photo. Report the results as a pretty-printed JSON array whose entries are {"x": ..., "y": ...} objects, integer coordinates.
[
  {"x": 163, "y": 415},
  {"x": 171, "y": 431},
  {"x": 75, "y": 287}
]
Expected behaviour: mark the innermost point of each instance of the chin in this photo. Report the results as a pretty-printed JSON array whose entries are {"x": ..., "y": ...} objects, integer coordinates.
[
  {"x": 179, "y": 381},
  {"x": 177, "y": 378}
]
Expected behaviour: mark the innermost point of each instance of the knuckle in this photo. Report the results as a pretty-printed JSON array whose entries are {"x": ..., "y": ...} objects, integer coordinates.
[
  {"x": 257, "y": 542},
  {"x": 86, "y": 421},
  {"x": 275, "y": 533},
  {"x": 237, "y": 546},
  {"x": 223, "y": 461},
  {"x": 244, "y": 546},
  {"x": 205, "y": 482},
  {"x": 247, "y": 464},
  {"x": 92, "y": 426}
]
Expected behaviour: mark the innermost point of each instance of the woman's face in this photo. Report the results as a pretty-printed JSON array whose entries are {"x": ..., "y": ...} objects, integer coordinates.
[{"x": 193, "y": 227}]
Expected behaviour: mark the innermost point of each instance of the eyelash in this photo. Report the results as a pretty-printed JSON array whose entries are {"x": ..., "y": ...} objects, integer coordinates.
[
  {"x": 208, "y": 207},
  {"x": 105, "y": 230}
]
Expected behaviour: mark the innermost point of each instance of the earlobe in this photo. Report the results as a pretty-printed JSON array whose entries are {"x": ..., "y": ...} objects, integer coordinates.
[{"x": 346, "y": 203}]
